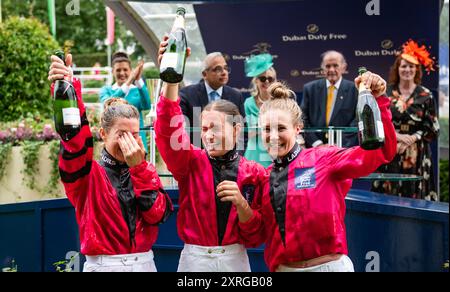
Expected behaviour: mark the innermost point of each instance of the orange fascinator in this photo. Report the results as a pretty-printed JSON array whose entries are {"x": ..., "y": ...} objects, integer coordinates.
[{"x": 416, "y": 54}]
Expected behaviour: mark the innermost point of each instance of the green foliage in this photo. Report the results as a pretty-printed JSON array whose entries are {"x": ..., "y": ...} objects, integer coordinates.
[
  {"x": 5, "y": 151},
  {"x": 91, "y": 98},
  {"x": 65, "y": 265},
  {"x": 443, "y": 180},
  {"x": 151, "y": 73},
  {"x": 25, "y": 49},
  {"x": 30, "y": 154},
  {"x": 93, "y": 84},
  {"x": 89, "y": 59},
  {"x": 52, "y": 185},
  {"x": 12, "y": 268},
  {"x": 443, "y": 133},
  {"x": 443, "y": 30},
  {"x": 87, "y": 30},
  {"x": 25, "y": 8}
]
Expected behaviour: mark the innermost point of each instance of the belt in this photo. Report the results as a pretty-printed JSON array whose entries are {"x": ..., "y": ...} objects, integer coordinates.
[
  {"x": 313, "y": 262},
  {"x": 126, "y": 259},
  {"x": 226, "y": 249}
]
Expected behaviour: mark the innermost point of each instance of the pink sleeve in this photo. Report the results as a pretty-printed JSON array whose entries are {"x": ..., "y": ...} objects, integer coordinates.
[
  {"x": 171, "y": 138},
  {"x": 356, "y": 162},
  {"x": 252, "y": 232}
]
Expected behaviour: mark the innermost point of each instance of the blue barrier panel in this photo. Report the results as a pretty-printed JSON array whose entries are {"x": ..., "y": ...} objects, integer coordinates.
[
  {"x": 384, "y": 233},
  {"x": 387, "y": 233}
]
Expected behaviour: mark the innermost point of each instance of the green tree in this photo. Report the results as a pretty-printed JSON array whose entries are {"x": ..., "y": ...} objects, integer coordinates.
[
  {"x": 25, "y": 49},
  {"x": 86, "y": 29},
  {"x": 443, "y": 31}
]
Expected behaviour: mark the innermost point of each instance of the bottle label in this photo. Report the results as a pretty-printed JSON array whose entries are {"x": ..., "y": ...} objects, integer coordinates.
[
  {"x": 71, "y": 116},
  {"x": 169, "y": 60},
  {"x": 380, "y": 129},
  {"x": 361, "y": 126}
]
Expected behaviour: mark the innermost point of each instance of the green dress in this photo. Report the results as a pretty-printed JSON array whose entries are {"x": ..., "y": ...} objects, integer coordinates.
[{"x": 255, "y": 148}]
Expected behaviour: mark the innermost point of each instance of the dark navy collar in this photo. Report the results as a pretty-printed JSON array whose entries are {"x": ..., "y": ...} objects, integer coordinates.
[
  {"x": 291, "y": 156},
  {"x": 109, "y": 161},
  {"x": 228, "y": 157}
]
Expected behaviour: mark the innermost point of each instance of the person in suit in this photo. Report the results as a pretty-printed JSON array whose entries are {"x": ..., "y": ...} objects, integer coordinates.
[
  {"x": 194, "y": 98},
  {"x": 330, "y": 101}
]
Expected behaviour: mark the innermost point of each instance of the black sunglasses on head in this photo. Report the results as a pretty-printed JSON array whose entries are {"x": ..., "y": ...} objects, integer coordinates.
[{"x": 263, "y": 79}]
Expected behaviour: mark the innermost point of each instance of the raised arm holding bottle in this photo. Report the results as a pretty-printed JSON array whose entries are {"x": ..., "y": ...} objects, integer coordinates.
[
  {"x": 303, "y": 212},
  {"x": 216, "y": 185},
  {"x": 119, "y": 200}
]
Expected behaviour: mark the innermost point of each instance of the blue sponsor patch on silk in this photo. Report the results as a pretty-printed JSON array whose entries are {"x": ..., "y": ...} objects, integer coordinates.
[{"x": 305, "y": 178}]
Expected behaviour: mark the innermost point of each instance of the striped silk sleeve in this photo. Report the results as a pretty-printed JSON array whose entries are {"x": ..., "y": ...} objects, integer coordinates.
[
  {"x": 75, "y": 157},
  {"x": 153, "y": 202}
]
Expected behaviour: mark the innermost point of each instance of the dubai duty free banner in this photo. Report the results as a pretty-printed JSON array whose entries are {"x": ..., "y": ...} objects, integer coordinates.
[{"x": 296, "y": 33}]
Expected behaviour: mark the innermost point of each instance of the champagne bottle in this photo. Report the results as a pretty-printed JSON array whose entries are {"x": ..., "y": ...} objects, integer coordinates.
[
  {"x": 65, "y": 107},
  {"x": 173, "y": 61},
  {"x": 371, "y": 131}
]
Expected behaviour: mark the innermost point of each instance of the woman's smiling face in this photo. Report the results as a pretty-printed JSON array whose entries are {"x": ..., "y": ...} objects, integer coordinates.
[{"x": 278, "y": 132}]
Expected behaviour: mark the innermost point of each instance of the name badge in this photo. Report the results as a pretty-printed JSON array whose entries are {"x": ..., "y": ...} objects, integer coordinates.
[{"x": 305, "y": 178}]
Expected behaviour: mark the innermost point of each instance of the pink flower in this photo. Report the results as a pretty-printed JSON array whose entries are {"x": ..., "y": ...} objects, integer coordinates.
[{"x": 48, "y": 133}]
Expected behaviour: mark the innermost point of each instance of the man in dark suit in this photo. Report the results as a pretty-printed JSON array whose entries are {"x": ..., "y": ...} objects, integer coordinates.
[
  {"x": 195, "y": 97},
  {"x": 330, "y": 102}
]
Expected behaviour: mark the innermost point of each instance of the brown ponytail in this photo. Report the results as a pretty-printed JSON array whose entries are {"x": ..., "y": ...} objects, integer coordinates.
[
  {"x": 115, "y": 108},
  {"x": 226, "y": 107}
]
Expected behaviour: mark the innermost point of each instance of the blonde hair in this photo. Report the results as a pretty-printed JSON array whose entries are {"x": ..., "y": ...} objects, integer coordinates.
[
  {"x": 115, "y": 108},
  {"x": 254, "y": 88},
  {"x": 285, "y": 100}
]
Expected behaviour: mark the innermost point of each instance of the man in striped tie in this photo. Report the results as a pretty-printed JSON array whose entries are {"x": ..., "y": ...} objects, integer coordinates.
[{"x": 330, "y": 101}]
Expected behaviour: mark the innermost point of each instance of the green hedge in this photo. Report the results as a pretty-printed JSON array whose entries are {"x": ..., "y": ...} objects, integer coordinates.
[
  {"x": 88, "y": 60},
  {"x": 25, "y": 49},
  {"x": 91, "y": 98},
  {"x": 443, "y": 133},
  {"x": 443, "y": 180},
  {"x": 152, "y": 73}
]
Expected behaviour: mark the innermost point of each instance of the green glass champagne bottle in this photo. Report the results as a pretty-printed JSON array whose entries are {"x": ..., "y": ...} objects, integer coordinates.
[
  {"x": 371, "y": 131},
  {"x": 65, "y": 107},
  {"x": 173, "y": 61}
]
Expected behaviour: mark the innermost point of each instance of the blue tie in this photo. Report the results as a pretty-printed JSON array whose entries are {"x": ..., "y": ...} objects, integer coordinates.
[{"x": 214, "y": 95}]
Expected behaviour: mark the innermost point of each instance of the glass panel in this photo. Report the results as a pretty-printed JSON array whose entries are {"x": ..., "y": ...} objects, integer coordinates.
[
  {"x": 392, "y": 177},
  {"x": 444, "y": 78},
  {"x": 159, "y": 18}
]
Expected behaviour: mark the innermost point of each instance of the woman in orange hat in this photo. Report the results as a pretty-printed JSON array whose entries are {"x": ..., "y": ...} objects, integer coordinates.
[{"x": 415, "y": 120}]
